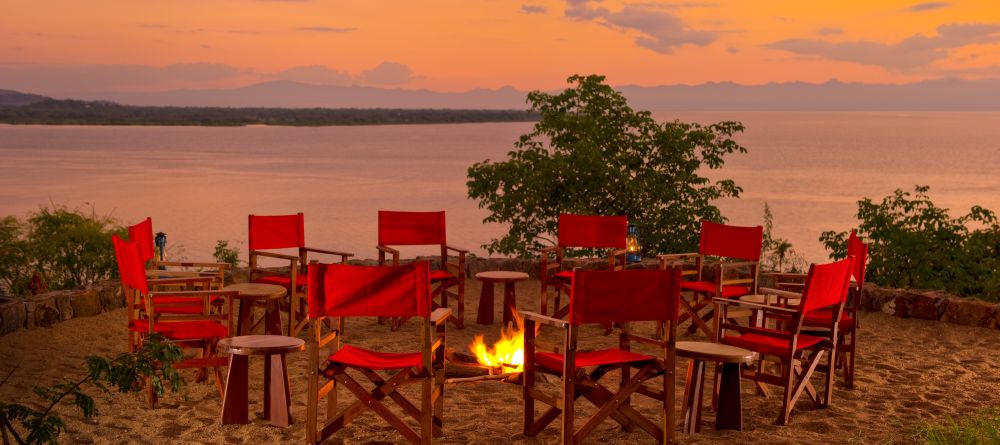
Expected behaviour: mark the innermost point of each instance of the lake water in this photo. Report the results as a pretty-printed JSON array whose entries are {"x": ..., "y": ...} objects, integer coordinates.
[{"x": 200, "y": 183}]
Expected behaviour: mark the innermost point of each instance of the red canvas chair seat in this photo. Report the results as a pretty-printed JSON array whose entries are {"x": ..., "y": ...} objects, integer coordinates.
[
  {"x": 440, "y": 275},
  {"x": 821, "y": 317},
  {"x": 183, "y": 330},
  {"x": 183, "y": 305},
  {"x": 704, "y": 286},
  {"x": 770, "y": 345},
  {"x": 284, "y": 281},
  {"x": 566, "y": 275},
  {"x": 612, "y": 356},
  {"x": 365, "y": 358}
]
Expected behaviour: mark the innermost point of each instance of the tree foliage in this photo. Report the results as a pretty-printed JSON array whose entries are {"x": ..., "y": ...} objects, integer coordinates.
[
  {"x": 778, "y": 253},
  {"x": 917, "y": 244},
  {"x": 590, "y": 153}
]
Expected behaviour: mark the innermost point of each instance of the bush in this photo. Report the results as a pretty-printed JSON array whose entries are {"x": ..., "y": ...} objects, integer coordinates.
[
  {"x": 590, "y": 153},
  {"x": 778, "y": 253},
  {"x": 225, "y": 254},
  {"x": 65, "y": 248},
  {"x": 917, "y": 244}
]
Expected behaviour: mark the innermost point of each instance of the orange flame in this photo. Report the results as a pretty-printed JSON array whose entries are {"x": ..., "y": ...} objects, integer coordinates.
[{"x": 507, "y": 353}]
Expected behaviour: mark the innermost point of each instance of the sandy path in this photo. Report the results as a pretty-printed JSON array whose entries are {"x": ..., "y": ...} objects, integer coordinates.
[{"x": 909, "y": 372}]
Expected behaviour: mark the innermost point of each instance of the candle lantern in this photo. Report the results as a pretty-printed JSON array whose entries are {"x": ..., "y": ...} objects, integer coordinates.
[
  {"x": 161, "y": 242},
  {"x": 633, "y": 246}
]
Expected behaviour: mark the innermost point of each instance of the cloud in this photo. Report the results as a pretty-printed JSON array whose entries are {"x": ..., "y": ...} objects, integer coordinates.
[
  {"x": 387, "y": 73},
  {"x": 324, "y": 29},
  {"x": 911, "y": 54},
  {"x": 830, "y": 31},
  {"x": 316, "y": 74},
  {"x": 658, "y": 30},
  {"x": 533, "y": 9},
  {"x": 919, "y": 7}
]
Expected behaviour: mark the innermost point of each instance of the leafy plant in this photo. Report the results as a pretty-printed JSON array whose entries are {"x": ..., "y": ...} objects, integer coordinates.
[
  {"x": 15, "y": 269},
  {"x": 917, "y": 244},
  {"x": 778, "y": 252},
  {"x": 590, "y": 153},
  {"x": 125, "y": 372},
  {"x": 225, "y": 254}
]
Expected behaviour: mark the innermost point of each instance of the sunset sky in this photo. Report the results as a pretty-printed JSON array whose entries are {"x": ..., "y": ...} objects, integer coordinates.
[{"x": 457, "y": 45}]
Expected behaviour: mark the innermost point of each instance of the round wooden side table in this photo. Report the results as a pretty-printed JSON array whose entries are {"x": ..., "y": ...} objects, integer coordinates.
[
  {"x": 729, "y": 410},
  {"x": 508, "y": 278},
  {"x": 250, "y": 294},
  {"x": 277, "y": 400}
]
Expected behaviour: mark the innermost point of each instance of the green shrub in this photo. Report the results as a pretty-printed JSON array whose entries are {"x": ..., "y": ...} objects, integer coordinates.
[
  {"x": 64, "y": 248},
  {"x": 590, "y": 153},
  {"x": 778, "y": 253},
  {"x": 919, "y": 245},
  {"x": 225, "y": 254}
]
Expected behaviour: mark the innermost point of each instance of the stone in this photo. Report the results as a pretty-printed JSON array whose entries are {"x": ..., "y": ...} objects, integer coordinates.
[
  {"x": 12, "y": 315},
  {"x": 873, "y": 298},
  {"x": 86, "y": 303},
  {"x": 110, "y": 294},
  {"x": 927, "y": 306},
  {"x": 970, "y": 312},
  {"x": 64, "y": 302},
  {"x": 41, "y": 310}
]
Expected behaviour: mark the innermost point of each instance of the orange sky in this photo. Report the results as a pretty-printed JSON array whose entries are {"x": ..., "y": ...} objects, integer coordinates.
[{"x": 462, "y": 44}]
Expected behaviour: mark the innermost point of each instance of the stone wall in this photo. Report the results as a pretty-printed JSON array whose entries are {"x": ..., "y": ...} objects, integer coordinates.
[{"x": 52, "y": 307}]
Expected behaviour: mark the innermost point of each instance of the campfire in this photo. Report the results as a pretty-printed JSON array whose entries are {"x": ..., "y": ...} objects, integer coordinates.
[{"x": 507, "y": 354}]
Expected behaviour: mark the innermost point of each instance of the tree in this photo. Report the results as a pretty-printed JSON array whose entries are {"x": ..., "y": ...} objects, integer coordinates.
[{"x": 590, "y": 153}]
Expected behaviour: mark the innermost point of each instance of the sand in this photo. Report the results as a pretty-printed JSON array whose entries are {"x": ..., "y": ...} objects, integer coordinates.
[{"x": 910, "y": 372}]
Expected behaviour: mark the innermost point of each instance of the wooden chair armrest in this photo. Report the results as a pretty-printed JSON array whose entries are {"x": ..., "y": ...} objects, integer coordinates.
[
  {"x": 677, "y": 256},
  {"x": 731, "y": 265},
  {"x": 785, "y": 275},
  {"x": 749, "y": 305},
  {"x": 191, "y": 264},
  {"x": 387, "y": 249},
  {"x": 279, "y": 256},
  {"x": 440, "y": 315},
  {"x": 180, "y": 280},
  {"x": 327, "y": 252},
  {"x": 539, "y": 318},
  {"x": 779, "y": 292},
  {"x": 460, "y": 250},
  {"x": 195, "y": 293}
]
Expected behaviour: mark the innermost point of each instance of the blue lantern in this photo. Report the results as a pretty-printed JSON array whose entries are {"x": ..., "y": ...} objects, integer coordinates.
[
  {"x": 633, "y": 247},
  {"x": 161, "y": 242}
]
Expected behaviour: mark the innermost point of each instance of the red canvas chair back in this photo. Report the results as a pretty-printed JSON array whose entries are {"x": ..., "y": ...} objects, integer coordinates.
[
  {"x": 731, "y": 241},
  {"x": 276, "y": 231},
  {"x": 859, "y": 251},
  {"x": 142, "y": 235},
  {"x": 130, "y": 265},
  {"x": 603, "y": 296},
  {"x": 410, "y": 228},
  {"x": 592, "y": 231},
  {"x": 339, "y": 290},
  {"x": 827, "y": 284}
]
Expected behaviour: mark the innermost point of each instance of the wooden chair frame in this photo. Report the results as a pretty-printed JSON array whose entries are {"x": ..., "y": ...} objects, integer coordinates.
[
  {"x": 430, "y": 376},
  {"x": 297, "y": 265},
  {"x": 798, "y": 364},
  {"x": 701, "y": 300}
]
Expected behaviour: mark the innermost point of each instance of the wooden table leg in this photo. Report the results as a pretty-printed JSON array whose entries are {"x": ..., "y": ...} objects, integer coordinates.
[
  {"x": 485, "y": 315},
  {"x": 277, "y": 400},
  {"x": 234, "y": 401},
  {"x": 244, "y": 322},
  {"x": 272, "y": 319},
  {"x": 693, "y": 392},
  {"x": 509, "y": 302},
  {"x": 729, "y": 415}
]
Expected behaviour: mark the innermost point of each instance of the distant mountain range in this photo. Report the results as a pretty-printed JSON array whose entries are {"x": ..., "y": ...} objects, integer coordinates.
[{"x": 928, "y": 95}]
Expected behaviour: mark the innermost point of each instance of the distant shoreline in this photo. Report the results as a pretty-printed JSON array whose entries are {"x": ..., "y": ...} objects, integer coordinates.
[{"x": 76, "y": 112}]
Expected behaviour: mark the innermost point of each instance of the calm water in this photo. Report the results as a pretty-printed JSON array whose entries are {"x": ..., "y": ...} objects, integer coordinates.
[{"x": 199, "y": 184}]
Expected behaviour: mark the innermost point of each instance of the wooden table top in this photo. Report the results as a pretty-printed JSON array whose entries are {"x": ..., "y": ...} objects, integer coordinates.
[
  {"x": 260, "y": 291},
  {"x": 502, "y": 275},
  {"x": 714, "y": 351},
  {"x": 261, "y": 344}
]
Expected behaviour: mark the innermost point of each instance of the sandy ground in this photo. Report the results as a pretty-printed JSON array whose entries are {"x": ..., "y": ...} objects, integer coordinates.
[{"x": 909, "y": 372}]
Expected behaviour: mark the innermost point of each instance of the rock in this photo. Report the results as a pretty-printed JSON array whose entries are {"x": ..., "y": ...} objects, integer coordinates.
[
  {"x": 64, "y": 302},
  {"x": 12, "y": 315},
  {"x": 41, "y": 310},
  {"x": 927, "y": 306},
  {"x": 86, "y": 303},
  {"x": 110, "y": 294},
  {"x": 970, "y": 312},
  {"x": 873, "y": 298}
]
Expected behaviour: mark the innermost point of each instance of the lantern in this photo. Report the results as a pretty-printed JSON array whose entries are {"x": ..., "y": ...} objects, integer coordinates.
[
  {"x": 633, "y": 247},
  {"x": 161, "y": 242}
]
